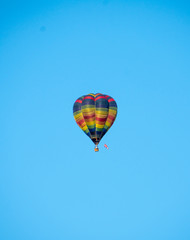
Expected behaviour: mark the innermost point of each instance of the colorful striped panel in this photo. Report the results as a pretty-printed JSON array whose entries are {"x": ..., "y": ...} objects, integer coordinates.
[
  {"x": 77, "y": 112},
  {"x": 88, "y": 111},
  {"x": 102, "y": 108}
]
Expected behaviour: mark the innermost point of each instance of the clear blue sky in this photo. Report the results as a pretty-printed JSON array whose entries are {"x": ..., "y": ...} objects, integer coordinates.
[{"x": 53, "y": 186}]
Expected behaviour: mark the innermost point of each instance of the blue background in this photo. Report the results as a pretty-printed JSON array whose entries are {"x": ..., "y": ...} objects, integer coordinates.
[{"x": 52, "y": 183}]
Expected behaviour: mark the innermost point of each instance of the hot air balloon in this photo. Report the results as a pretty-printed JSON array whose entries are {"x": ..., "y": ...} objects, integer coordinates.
[{"x": 95, "y": 114}]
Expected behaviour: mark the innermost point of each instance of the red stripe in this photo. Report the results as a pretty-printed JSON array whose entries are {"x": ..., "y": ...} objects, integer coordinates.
[
  {"x": 88, "y": 117},
  {"x": 111, "y": 118},
  {"x": 101, "y": 119},
  {"x": 111, "y": 100},
  {"x": 100, "y": 97},
  {"x": 80, "y": 101},
  {"x": 88, "y": 98},
  {"x": 81, "y": 122}
]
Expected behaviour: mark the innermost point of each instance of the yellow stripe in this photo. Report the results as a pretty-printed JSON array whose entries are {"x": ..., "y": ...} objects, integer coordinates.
[
  {"x": 90, "y": 123},
  {"x": 99, "y": 126}
]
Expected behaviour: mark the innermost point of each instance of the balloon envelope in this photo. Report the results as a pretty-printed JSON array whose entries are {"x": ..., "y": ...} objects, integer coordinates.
[{"x": 95, "y": 114}]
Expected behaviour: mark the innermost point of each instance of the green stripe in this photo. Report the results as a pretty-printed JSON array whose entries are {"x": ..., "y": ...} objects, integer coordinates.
[
  {"x": 102, "y": 109},
  {"x": 77, "y": 112},
  {"x": 88, "y": 106}
]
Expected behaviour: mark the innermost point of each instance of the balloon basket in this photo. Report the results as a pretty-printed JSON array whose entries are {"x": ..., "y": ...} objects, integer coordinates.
[{"x": 96, "y": 149}]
